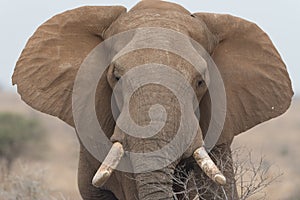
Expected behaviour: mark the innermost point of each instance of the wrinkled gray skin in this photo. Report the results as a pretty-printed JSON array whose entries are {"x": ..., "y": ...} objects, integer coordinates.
[{"x": 255, "y": 78}]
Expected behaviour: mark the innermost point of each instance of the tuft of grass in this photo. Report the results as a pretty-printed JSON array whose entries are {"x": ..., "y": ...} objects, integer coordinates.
[{"x": 27, "y": 184}]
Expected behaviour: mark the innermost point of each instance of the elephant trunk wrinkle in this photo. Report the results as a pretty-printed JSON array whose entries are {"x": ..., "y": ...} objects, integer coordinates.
[{"x": 156, "y": 185}]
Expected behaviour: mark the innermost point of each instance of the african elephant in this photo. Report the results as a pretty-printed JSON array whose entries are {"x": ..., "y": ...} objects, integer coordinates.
[{"x": 255, "y": 79}]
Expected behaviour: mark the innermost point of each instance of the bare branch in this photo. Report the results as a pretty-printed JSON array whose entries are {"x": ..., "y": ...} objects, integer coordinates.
[{"x": 252, "y": 177}]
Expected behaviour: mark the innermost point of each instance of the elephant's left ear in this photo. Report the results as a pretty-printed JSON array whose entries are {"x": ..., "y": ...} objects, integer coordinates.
[{"x": 256, "y": 80}]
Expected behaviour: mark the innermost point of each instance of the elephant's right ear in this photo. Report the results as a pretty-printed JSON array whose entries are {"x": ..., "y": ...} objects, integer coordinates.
[{"x": 47, "y": 67}]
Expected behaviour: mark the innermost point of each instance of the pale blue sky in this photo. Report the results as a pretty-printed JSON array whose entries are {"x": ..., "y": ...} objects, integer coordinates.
[{"x": 280, "y": 19}]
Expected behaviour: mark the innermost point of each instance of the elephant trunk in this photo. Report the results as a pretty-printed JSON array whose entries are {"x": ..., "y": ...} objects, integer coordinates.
[{"x": 156, "y": 185}]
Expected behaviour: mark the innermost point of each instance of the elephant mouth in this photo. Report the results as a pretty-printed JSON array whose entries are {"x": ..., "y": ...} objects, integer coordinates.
[{"x": 117, "y": 152}]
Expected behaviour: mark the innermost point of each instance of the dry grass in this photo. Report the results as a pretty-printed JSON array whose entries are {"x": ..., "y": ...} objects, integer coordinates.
[{"x": 27, "y": 184}]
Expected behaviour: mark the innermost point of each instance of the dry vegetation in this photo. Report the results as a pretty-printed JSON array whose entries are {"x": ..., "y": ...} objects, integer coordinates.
[
  {"x": 26, "y": 184},
  {"x": 18, "y": 134},
  {"x": 50, "y": 160},
  {"x": 252, "y": 178}
]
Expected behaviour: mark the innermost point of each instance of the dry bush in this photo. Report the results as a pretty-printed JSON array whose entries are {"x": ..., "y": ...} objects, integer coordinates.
[
  {"x": 27, "y": 184},
  {"x": 252, "y": 177}
]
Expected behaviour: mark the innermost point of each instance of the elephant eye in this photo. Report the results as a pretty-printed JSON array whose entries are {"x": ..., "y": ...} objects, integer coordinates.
[
  {"x": 117, "y": 75},
  {"x": 200, "y": 83},
  {"x": 117, "y": 78}
]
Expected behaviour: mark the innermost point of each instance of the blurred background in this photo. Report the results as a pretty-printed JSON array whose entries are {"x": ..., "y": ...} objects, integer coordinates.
[{"x": 39, "y": 153}]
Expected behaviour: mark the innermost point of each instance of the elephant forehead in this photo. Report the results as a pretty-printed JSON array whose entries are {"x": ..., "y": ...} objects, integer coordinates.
[
  {"x": 147, "y": 56},
  {"x": 166, "y": 19}
]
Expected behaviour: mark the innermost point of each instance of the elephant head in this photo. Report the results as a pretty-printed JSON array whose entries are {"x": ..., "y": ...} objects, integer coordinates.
[{"x": 255, "y": 79}]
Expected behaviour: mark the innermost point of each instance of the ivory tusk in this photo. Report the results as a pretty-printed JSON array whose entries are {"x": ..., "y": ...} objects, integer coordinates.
[
  {"x": 109, "y": 164},
  {"x": 208, "y": 166}
]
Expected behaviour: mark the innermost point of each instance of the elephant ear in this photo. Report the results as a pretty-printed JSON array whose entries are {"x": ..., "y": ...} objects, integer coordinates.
[
  {"x": 256, "y": 80},
  {"x": 47, "y": 67}
]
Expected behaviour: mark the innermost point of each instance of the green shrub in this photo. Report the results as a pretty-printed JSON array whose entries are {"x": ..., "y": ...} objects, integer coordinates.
[{"x": 16, "y": 132}]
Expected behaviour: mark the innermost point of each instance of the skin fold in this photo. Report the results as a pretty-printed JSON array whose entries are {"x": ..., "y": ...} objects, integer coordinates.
[{"x": 256, "y": 82}]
